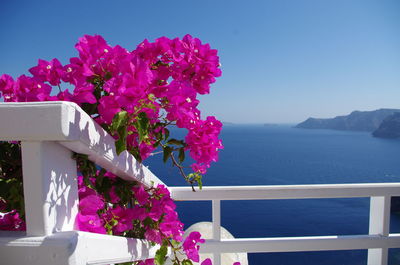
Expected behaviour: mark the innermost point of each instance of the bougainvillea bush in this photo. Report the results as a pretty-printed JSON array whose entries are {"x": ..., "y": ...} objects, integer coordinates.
[{"x": 135, "y": 96}]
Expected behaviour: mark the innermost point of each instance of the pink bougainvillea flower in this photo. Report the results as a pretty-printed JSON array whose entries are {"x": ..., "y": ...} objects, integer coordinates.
[
  {"x": 206, "y": 262},
  {"x": 191, "y": 247},
  {"x": 30, "y": 89},
  {"x": 114, "y": 198},
  {"x": 172, "y": 229},
  {"x": 145, "y": 149},
  {"x": 84, "y": 94},
  {"x": 141, "y": 195},
  {"x": 123, "y": 218},
  {"x": 7, "y": 88},
  {"x": 11, "y": 221},
  {"x": 65, "y": 96},
  {"x": 156, "y": 210},
  {"x": 108, "y": 107},
  {"x": 51, "y": 71},
  {"x": 91, "y": 204},
  {"x": 139, "y": 213},
  {"x": 83, "y": 190},
  {"x": 204, "y": 144},
  {"x": 153, "y": 235},
  {"x": 92, "y": 48},
  {"x": 90, "y": 223},
  {"x": 162, "y": 191},
  {"x": 147, "y": 262}
]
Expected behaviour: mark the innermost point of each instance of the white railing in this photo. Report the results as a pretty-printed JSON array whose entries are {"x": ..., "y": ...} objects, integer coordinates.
[
  {"x": 378, "y": 241},
  {"x": 51, "y": 131}
]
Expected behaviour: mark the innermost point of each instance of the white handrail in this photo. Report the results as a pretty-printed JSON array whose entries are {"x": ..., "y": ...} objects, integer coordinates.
[
  {"x": 294, "y": 244},
  {"x": 264, "y": 192},
  {"x": 66, "y": 123},
  {"x": 72, "y": 247}
]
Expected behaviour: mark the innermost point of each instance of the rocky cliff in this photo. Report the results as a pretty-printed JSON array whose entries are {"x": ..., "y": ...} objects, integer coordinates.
[
  {"x": 356, "y": 121},
  {"x": 390, "y": 127}
]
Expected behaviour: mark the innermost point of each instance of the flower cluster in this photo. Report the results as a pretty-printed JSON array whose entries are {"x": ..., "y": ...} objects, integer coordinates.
[
  {"x": 135, "y": 96},
  {"x": 152, "y": 209},
  {"x": 135, "y": 211},
  {"x": 159, "y": 79}
]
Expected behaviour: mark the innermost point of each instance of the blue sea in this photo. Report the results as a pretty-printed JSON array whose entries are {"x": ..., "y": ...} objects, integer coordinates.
[{"x": 282, "y": 155}]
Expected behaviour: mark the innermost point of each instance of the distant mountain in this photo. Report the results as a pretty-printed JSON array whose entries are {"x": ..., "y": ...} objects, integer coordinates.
[
  {"x": 356, "y": 121},
  {"x": 270, "y": 124},
  {"x": 389, "y": 128},
  {"x": 227, "y": 123}
]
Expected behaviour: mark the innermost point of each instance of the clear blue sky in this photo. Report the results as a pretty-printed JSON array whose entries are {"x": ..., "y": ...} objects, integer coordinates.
[{"x": 282, "y": 61}]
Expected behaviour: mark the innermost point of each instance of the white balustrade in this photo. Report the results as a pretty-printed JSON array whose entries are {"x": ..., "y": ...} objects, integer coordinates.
[{"x": 51, "y": 131}]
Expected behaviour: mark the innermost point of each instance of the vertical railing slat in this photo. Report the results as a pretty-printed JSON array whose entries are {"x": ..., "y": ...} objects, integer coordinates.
[
  {"x": 379, "y": 224},
  {"x": 216, "y": 227},
  {"x": 50, "y": 188}
]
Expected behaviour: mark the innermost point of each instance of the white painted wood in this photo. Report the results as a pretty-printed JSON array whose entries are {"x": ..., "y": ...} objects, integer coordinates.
[
  {"x": 379, "y": 224},
  {"x": 377, "y": 241},
  {"x": 286, "y": 191},
  {"x": 216, "y": 219},
  {"x": 50, "y": 188},
  {"x": 73, "y": 248},
  {"x": 295, "y": 244},
  {"x": 216, "y": 227},
  {"x": 67, "y": 123},
  {"x": 36, "y": 121}
]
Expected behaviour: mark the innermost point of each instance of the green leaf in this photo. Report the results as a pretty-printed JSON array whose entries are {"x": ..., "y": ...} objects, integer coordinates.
[
  {"x": 156, "y": 144},
  {"x": 166, "y": 153},
  {"x": 166, "y": 133},
  {"x": 187, "y": 262},
  {"x": 142, "y": 125},
  {"x": 150, "y": 106},
  {"x": 136, "y": 153},
  {"x": 200, "y": 183},
  {"x": 160, "y": 255},
  {"x": 151, "y": 97},
  {"x": 120, "y": 144},
  {"x": 120, "y": 119},
  {"x": 175, "y": 142},
  {"x": 181, "y": 155},
  {"x": 107, "y": 76}
]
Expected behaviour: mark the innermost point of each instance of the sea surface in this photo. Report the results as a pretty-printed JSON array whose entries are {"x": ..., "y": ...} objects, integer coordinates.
[{"x": 281, "y": 155}]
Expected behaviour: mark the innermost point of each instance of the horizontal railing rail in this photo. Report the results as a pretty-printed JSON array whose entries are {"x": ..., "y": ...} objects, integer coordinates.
[
  {"x": 67, "y": 124},
  {"x": 263, "y": 192},
  {"x": 294, "y": 244},
  {"x": 378, "y": 241},
  {"x": 72, "y": 247}
]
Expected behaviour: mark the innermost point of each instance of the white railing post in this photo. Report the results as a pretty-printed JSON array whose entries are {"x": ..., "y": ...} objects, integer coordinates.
[
  {"x": 379, "y": 223},
  {"x": 216, "y": 228},
  {"x": 50, "y": 187}
]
